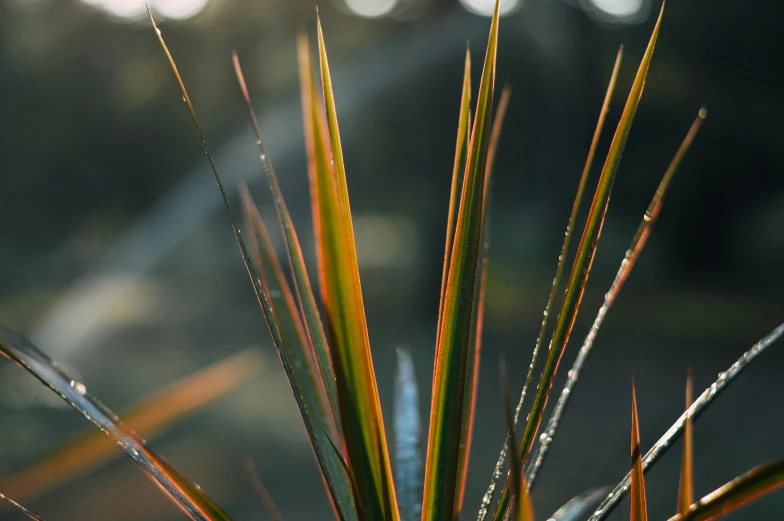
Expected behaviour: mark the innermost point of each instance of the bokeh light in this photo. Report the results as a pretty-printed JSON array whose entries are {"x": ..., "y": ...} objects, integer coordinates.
[
  {"x": 618, "y": 9},
  {"x": 179, "y": 9},
  {"x": 371, "y": 8},
  {"x": 485, "y": 7},
  {"x": 135, "y": 9}
]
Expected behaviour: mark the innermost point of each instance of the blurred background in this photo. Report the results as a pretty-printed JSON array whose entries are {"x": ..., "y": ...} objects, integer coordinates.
[{"x": 117, "y": 259}]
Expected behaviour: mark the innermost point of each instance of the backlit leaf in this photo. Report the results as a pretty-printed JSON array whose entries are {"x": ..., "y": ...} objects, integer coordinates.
[
  {"x": 639, "y": 508},
  {"x": 453, "y": 343},
  {"x": 360, "y": 409},
  {"x": 583, "y": 261},
  {"x": 741, "y": 490}
]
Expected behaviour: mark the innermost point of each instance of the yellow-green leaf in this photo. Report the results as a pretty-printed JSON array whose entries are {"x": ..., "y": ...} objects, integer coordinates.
[
  {"x": 522, "y": 509},
  {"x": 453, "y": 343},
  {"x": 316, "y": 342},
  {"x": 360, "y": 410},
  {"x": 583, "y": 261},
  {"x": 741, "y": 490},
  {"x": 463, "y": 123},
  {"x": 639, "y": 508},
  {"x": 477, "y": 319}
]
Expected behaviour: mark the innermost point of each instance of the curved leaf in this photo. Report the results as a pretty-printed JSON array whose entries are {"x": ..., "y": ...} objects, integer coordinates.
[
  {"x": 693, "y": 412},
  {"x": 628, "y": 262},
  {"x": 189, "y": 497},
  {"x": 741, "y": 490}
]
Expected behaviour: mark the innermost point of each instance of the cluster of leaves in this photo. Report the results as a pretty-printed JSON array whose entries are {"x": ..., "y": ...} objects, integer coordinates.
[{"x": 324, "y": 347}]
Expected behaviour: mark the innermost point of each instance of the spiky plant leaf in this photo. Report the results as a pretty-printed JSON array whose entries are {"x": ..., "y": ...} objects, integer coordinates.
[
  {"x": 335, "y": 486},
  {"x": 522, "y": 510},
  {"x": 408, "y": 455},
  {"x": 578, "y": 198},
  {"x": 190, "y": 498},
  {"x": 463, "y": 129},
  {"x": 686, "y": 484},
  {"x": 741, "y": 490},
  {"x": 149, "y": 416},
  {"x": 298, "y": 350},
  {"x": 628, "y": 262},
  {"x": 583, "y": 261},
  {"x": 488, "y": 497},
  {"x": 477, "y": 319},
  {"x": 360, "y": 410},
  {"x": 316, "y": 342},
  {"x": 453, "y": 343},
  {"x": 639, "y": 508},
  {"x": 671, "y": 435},
  {"x": 20, "y": 508}
]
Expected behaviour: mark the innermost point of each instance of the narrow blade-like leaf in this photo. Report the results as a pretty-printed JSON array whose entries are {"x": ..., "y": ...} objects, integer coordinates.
[
  {"x": 408, "y": 460},
  {"x": 628, "y": 262},
  {"x": 20, "y": 508},
  {"x": 477, "y": 319},
  {"x": 360, "y": 409},
  {"x": 317, "y": 340},
  {"x": 453, "y": 347},
  {"x": 522, "y": 510},
  {"x": 583, "y": 260},
  {"x": 741, "y": 490},
  {"x": 686, "y": 485},
  {"x": 287, "y": 314},
  {"x": 146, "y": 418},
  {"x": 463, "y": 124},
  {"x": 488, "y": 497},
  {"x": 639, "y": 508},
  {"x": 342, "y": 501},
  {"x": 671, "y": 435},
  {"x": 190, "y": 498}
]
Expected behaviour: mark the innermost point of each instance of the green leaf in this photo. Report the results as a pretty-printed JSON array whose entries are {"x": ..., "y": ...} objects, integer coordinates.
[
  {"x": 578, "y": 198},
  {"x": 360, "y": 410},
  {"x": 488, "y": 497},
  {"x": 741, "y": 490},
  {"x": 628, "y": 262},
  {"x": 189, "y": 497},
  {"x": 453, "y": 343},
  {"x": 522, "y": 510},
  {"x": 463, "y": 124},
  {"x": 477, "y": 319},
  {"x": 147, "y": 418},
  {"x": 262, "y": 296},
  {"x": 583, "y": 261},
  {"x": 408, "y": 455},
  {"x": 639, "y": 508},
  {"x": 316, "y": 341},
  {"x": 686, "y": 484}
]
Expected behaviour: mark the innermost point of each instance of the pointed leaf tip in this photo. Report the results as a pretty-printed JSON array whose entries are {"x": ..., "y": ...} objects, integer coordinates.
[
  {"x": 686, "y": 485},
  {"x": 639, "y": 509}
]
